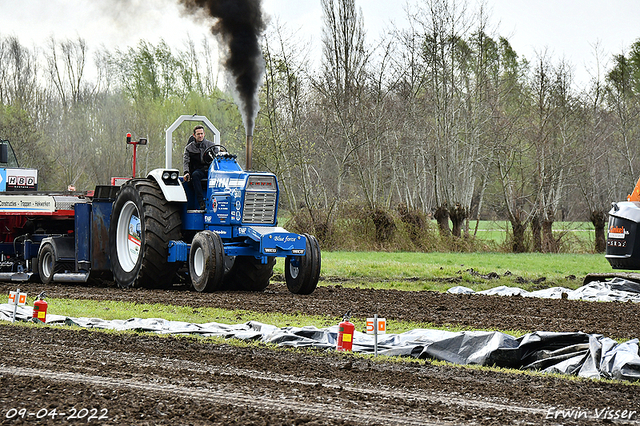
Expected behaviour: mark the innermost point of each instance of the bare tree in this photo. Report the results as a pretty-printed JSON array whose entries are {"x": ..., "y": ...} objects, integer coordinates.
[
  {"x": 598, "y": 178},
  {"x": 290, "y": 153},
  {"x": 511, "y": 152},
  {"x": 455, "y": 121},
  {"x": 198, "y": 69},
  {"x": 18, "y": 74},
  {"x": 553, "y": 134},
  {"x": 341, "y": 86},
  {"x": 413, "y": 183},
  {"x": 66, "y": 62}
]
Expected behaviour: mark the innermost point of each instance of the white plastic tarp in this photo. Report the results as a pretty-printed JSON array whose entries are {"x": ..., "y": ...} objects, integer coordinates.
[
  {"x": 616, "y": 290},
  {"x": 585, "y": 355}
]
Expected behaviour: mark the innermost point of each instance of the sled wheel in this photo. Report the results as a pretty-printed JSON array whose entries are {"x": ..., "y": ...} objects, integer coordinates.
[
  {"x": 303, "y": 272},
  {"x": 47, "y": 265},
  {"x": 206, "y": 261},
  {"x": 249, "y": 274},
  {"x": 142, "y": 224}
]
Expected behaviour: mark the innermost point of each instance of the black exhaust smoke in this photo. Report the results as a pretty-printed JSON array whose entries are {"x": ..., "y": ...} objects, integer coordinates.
[{"x": 240, "y": 25}]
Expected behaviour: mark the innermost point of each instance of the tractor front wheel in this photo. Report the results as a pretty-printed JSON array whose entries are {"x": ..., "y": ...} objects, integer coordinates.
[
  {"x": 303, "y": 272},
  {"x": 206, "y": 261}
]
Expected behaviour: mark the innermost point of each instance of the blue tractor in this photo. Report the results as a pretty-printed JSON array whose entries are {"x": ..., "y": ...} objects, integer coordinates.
[{"x": 157, "y": 229}]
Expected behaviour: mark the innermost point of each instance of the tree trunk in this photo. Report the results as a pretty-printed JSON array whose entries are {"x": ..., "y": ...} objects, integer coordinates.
[
  {"x": 518, "y": 236},
  {"x": 536, "y": 228},
  {"x": 549, "y": 243},
  {"x": 457, "y": 214},
  {"x": 599, "y": 220},
  {"x": 442, "y": 217}
]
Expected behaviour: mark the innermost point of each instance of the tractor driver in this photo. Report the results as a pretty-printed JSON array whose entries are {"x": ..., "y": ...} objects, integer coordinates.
[{"x": 195, "y": 165}]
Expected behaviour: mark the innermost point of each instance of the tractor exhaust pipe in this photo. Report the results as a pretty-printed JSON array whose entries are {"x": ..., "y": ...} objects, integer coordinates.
[{"x": 249, "y": 149}]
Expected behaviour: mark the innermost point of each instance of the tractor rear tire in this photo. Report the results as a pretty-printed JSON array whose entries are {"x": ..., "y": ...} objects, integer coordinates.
[
  {"x": 206, "y": 261},
  {"x": 142, "y": 224},
  {"x": 303, "y": 278},
  {"x": 47, "y": 265},
  {"x": 249, "y": 274}
]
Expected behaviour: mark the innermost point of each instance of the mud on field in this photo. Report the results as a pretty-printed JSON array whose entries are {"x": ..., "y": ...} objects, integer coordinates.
[{"x": 148, "y": 379}]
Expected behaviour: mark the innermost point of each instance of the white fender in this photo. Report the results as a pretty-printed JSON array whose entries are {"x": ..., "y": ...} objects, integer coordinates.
[{"x": 171, "y": 188}]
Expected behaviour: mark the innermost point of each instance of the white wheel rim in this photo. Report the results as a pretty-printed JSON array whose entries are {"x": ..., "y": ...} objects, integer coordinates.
[
  {"x": 128, "y": 236},
  {"x": 293, "y": 271},
  {"x": 47, "y": 264},
  {"x": 198, "y": 261}
]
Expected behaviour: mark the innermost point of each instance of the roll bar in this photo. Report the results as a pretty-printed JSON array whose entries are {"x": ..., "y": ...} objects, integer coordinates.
[{"x": 174, "y": 126}]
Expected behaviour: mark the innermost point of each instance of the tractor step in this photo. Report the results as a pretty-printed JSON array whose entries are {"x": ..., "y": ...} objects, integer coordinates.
[
  {"x": 15, "y": 276},
  {"x": 71, "y": 277}
]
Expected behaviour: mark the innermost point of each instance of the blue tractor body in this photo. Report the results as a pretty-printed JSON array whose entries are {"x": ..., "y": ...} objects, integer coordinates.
[{"x": 241, "y": 207}]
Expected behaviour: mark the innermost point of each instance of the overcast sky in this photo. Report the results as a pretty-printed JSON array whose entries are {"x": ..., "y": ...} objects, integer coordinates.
[{"x": 564, "y": 28}]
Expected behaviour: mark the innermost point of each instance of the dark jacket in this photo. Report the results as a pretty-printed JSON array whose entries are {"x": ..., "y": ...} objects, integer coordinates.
[{"x": 192, "y": 159}]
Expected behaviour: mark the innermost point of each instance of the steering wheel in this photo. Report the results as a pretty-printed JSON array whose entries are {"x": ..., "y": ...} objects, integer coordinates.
[{"x": 210, "y": 153}]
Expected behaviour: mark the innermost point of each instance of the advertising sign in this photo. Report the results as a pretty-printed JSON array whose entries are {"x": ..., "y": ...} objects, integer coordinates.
[{"x": 19, "y": 180}]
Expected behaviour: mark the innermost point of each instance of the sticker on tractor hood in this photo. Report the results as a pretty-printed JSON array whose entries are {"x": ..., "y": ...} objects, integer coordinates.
[
  {"x": 249, "y": 232},
  {"x": 225, "y": 182},
  {"x": 218, "y": 231}
]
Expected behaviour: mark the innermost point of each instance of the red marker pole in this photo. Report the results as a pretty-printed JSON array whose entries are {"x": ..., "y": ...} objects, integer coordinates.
[
  {"x": 135, "y": 145},
  {"x": 142, "y": 141}
]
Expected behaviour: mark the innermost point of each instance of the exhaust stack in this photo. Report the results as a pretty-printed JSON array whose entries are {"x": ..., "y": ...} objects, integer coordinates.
[{"x": 249, "y": 149}]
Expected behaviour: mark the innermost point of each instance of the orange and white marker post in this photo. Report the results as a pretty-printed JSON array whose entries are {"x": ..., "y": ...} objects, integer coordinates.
[
  {"x": 16, "y": 298},
  {"x": 376, "y": 326}
]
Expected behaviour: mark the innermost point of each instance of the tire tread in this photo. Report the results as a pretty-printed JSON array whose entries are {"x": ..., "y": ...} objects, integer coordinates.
[{"x": 162, "y": 223}]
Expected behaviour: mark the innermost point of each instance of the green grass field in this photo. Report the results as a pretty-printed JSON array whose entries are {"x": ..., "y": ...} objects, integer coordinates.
[
  {"x": 571, "y": 237},
  {"x": 426, "y": 271},
  {"x": 112, "y": 310},
  {"x": 358, "y": 234}
]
